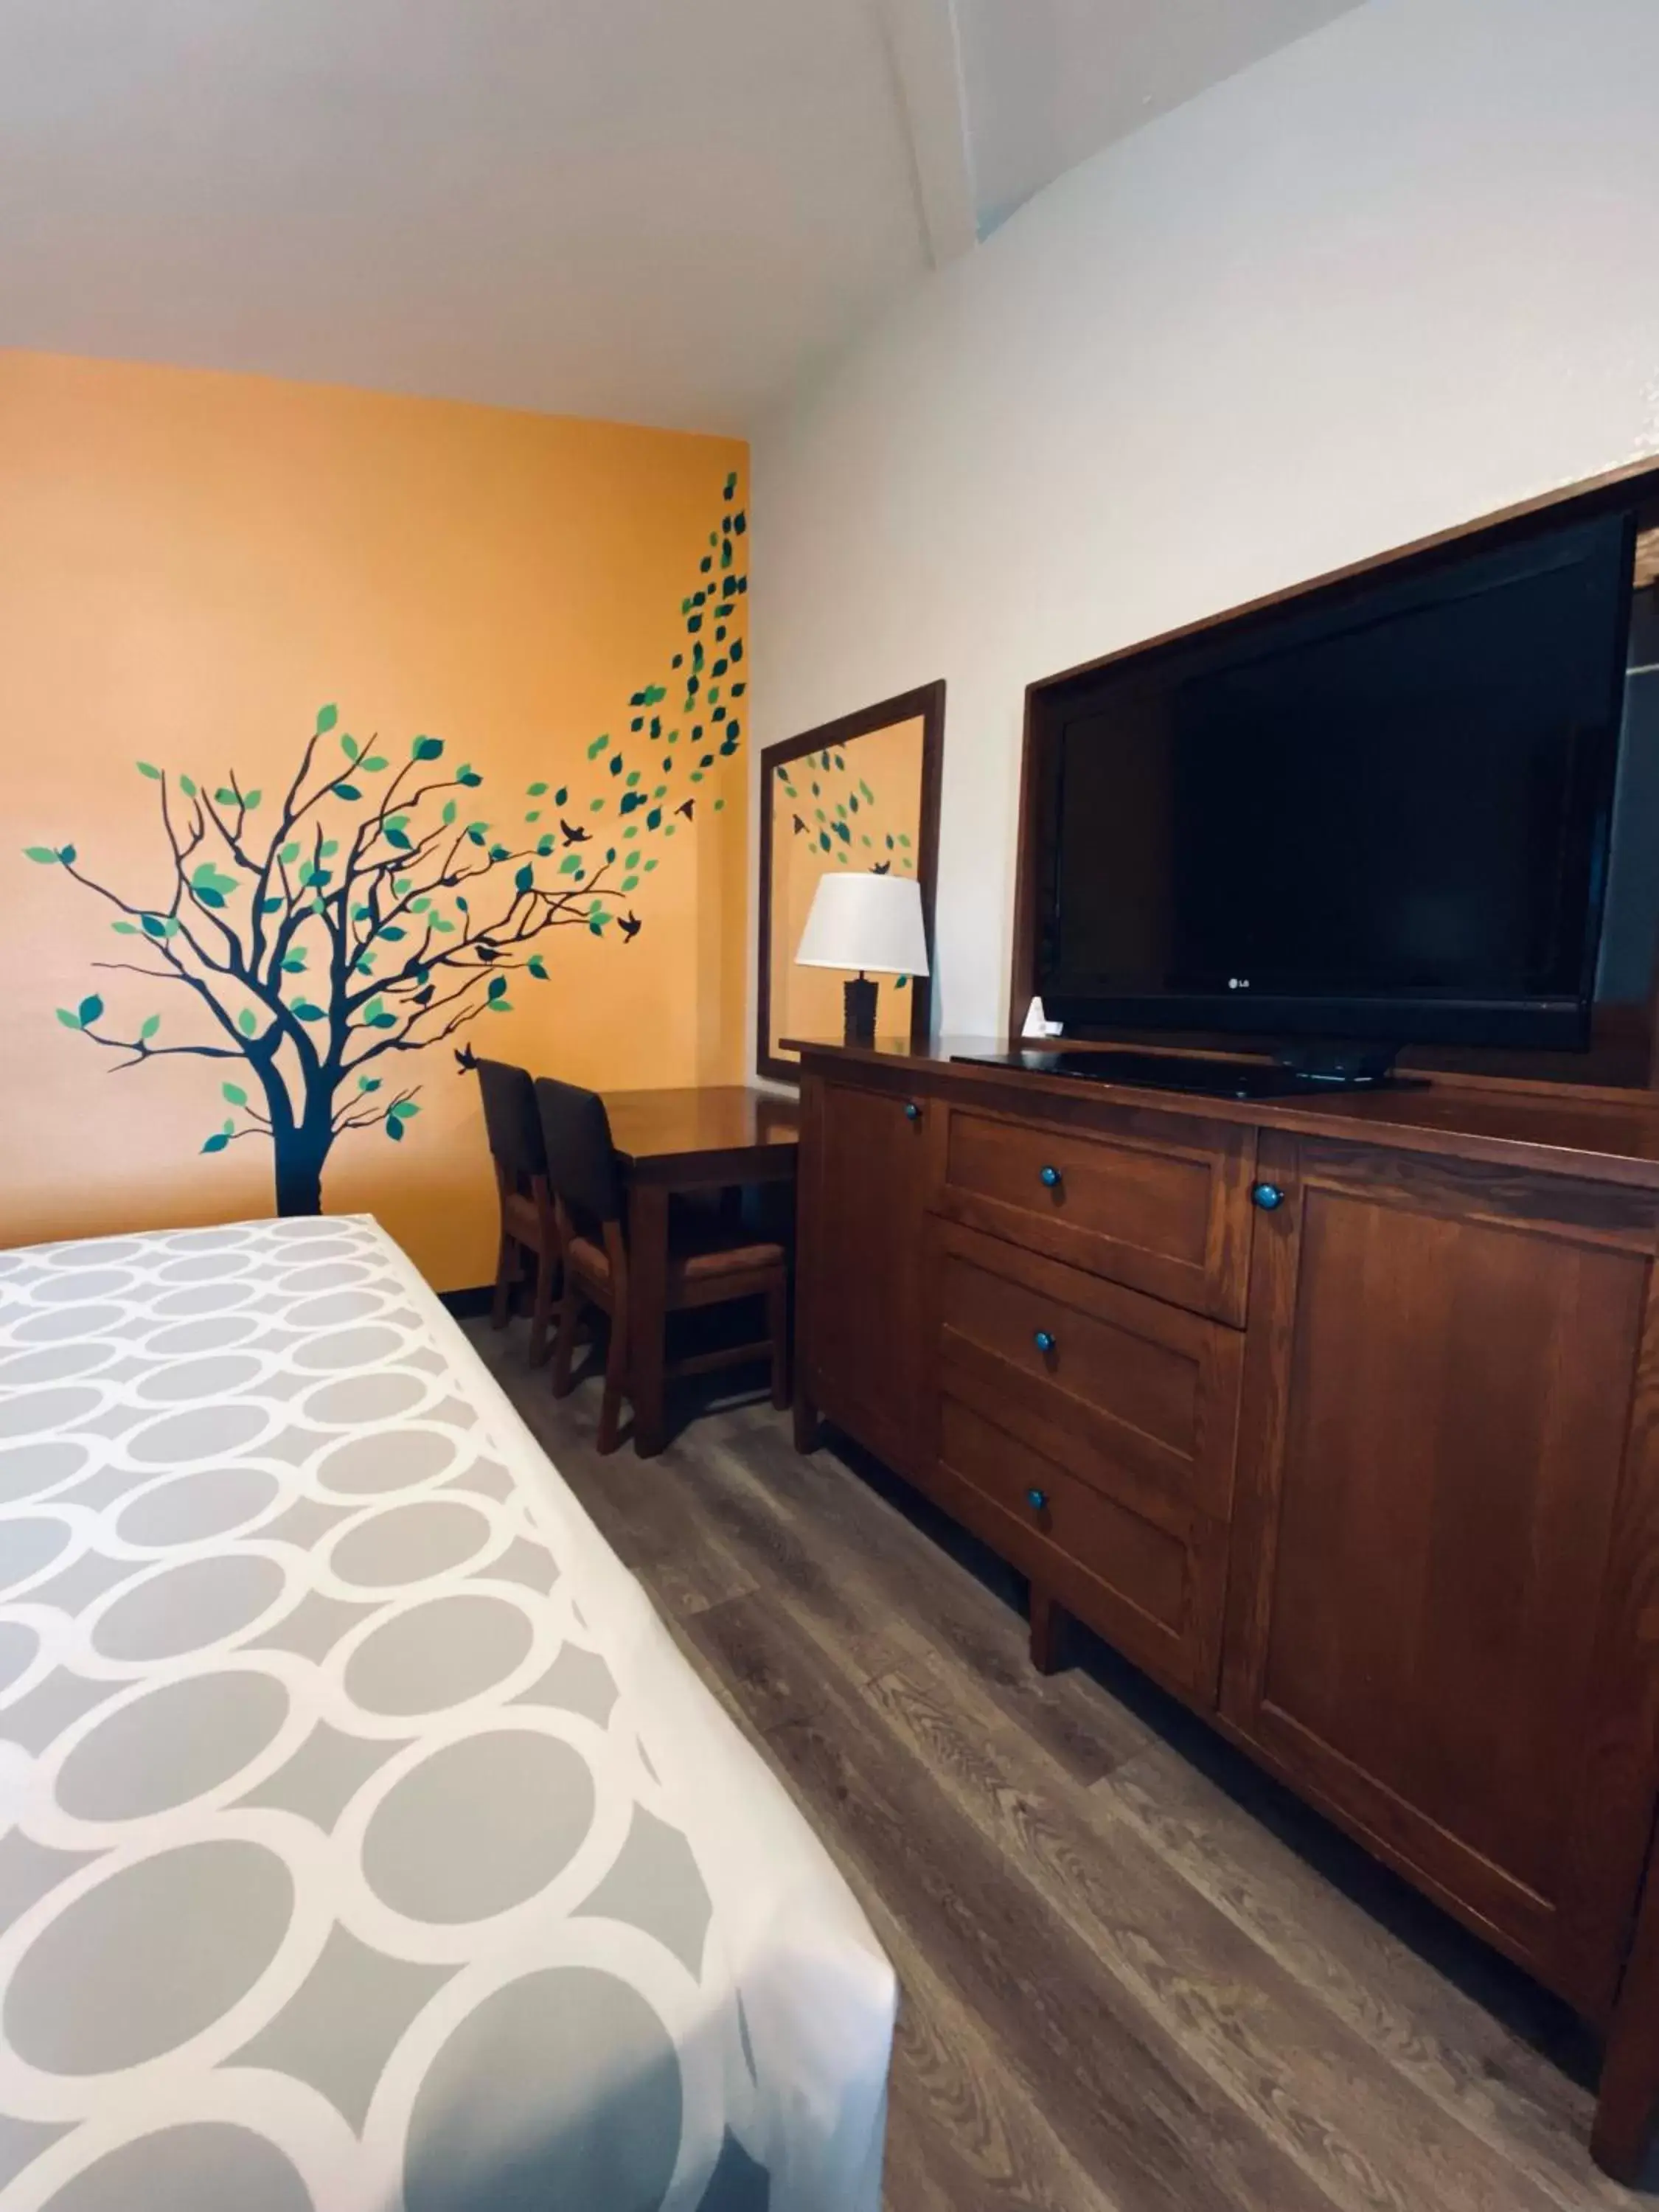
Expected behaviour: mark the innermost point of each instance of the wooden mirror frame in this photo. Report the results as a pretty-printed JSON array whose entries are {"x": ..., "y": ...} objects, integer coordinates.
[{"x": 927, "y": 704}]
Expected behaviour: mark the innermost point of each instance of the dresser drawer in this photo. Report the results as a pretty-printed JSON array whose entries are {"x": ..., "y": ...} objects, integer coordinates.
[
  {"x": 1166, "y": 1211},
  {"x": 1138, "y": 1398},
  {"x": 1157, "y": 1596}
]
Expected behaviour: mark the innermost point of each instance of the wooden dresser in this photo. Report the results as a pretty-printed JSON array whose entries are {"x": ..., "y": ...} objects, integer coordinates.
[{"x": 1338, "y": 1418}]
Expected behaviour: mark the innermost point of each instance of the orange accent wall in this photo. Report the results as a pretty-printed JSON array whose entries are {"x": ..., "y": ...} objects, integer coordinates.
[{"x": 190, "y": 565}]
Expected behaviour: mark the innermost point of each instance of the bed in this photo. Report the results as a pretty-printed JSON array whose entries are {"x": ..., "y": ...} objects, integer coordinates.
[{"x": 365, "y": 1841}]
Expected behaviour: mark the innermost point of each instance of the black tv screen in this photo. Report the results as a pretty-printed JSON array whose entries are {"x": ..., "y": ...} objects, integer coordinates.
[{"x": 1380, "y": 812}]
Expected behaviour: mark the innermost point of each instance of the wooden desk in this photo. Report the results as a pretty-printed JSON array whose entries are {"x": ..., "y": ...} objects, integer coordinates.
[{"x": 684, "y": 1140}]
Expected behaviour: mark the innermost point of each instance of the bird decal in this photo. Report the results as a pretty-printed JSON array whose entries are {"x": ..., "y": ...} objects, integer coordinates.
[
  {"x": 631, "y": 925},
  {"x": 883, "y": 868},
  {"x": 574, "y": 834},
  {"x": 688, "y": 808},
  {"x": 800, "y": 827},
  {"x": 465, "y": 1058}
]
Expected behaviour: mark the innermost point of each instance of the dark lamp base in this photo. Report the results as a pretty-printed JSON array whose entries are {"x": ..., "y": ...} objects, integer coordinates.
[{"x": 859, "y": 998}]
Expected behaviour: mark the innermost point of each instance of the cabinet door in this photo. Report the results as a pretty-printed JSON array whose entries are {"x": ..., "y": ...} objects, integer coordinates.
[
  {"x": 866, "y": 1170},
  {"x": 1445, "y": 1560}
]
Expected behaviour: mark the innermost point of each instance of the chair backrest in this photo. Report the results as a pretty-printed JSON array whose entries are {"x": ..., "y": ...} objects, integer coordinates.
[
  {"x": 510, "y": 1117},
  {"x": 582, "y": 1162}
]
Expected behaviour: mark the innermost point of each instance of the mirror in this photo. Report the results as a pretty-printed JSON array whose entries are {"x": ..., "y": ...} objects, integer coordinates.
[{"x": 858, "y": 793}]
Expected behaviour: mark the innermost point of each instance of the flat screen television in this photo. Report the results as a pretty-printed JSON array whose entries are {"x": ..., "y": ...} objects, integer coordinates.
[{"x": 1381, "y": 811}]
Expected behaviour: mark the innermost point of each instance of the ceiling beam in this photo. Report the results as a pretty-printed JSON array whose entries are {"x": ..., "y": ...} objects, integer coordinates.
[{"x": 923, "y": 45}]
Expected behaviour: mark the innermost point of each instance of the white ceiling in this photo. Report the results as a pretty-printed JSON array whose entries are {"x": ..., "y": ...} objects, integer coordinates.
[
  {"x": 657, "y": 210},
  {"x": 1048, "y": 82}
]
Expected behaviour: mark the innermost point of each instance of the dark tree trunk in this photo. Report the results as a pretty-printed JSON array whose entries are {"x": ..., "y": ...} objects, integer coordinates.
[{"x": 300, "y": 1154}]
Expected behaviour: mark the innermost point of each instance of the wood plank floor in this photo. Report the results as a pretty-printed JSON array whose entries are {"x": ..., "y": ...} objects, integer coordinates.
[{"x": 1136, "y": 1976}]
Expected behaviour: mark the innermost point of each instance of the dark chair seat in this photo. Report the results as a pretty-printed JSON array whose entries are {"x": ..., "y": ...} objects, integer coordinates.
[{"x": 698, "y": 1253}]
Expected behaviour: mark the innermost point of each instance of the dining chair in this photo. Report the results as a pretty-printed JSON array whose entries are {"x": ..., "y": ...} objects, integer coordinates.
[
  {"x": 711, "y": 1261},
  {"x": 529, "y": 1220}
]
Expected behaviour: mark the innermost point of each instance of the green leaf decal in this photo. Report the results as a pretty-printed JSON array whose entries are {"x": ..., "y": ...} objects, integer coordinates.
[
  {"x": 89, "y": 1010},
  {"x": 526, "y": 879},
  {"x": 154, "y": 774},
  {"x": 326, "y": 718},
  {"x": 233, "y": 1094},
  {"x": 247, "y": 1021},
  {"x": 348, "y": 745},
  {"x": 216, "y": 1143},
  {"x": 535, "y": 791},
  {"x": 69, "y": 1019},
  {"x": 368, "y": 1083},
  {"x": 43, "y": 854},
  {"x": 149, "y": 1026},
  {"x": 426, "y": 748}
]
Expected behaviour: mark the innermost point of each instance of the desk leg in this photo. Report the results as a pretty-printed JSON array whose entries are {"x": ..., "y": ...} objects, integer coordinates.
[{"x": 647, "y": 1292}]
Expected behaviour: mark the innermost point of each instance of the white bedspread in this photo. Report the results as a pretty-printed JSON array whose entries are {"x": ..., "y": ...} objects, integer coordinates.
[{"x": 365, "y": 1843}]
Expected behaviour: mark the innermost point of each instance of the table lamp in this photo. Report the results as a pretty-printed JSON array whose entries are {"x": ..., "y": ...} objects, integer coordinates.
[{"x": 865, "y": 921}]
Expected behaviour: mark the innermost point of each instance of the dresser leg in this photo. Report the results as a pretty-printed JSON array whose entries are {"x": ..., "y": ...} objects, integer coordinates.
[
  {"x": 1629, "y": 2094},
  {"x": 807, "y": 1437},
  {"x": 1047, "y": 1631}
]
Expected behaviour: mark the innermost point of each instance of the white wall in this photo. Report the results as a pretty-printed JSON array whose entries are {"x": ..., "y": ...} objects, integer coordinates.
[{"x": 1397, "y": 276}]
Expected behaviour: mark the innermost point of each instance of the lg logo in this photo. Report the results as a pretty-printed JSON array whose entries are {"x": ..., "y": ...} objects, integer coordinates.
[{"x": 1238, "y": 982}]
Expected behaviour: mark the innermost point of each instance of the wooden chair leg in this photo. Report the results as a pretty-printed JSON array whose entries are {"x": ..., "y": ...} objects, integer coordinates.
[
  {"x": 547, "y": 1267},
  {"x": 615, "y": 1378},
  {"x": 777, "y": 1324},
  {"x": 506, "y": 1270},
  {"x": 564, "y": 1346}
]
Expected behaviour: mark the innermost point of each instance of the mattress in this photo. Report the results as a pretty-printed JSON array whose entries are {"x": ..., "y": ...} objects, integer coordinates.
[{"x": 365, "y": 1841}]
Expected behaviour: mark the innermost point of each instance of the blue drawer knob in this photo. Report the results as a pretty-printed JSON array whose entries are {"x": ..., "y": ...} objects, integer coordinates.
[
  {"x": 1268, "y": 1196},
  {"x": 912, "y": 1111},
  {"x": 1049, "y": 1177},
  {"x": 1044, "y": 1341},
  {"x": 1036, "y": 1499}
]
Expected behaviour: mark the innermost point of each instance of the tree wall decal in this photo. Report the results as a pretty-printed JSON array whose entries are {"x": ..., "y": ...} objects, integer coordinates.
[{"x": 370, "y": 913}]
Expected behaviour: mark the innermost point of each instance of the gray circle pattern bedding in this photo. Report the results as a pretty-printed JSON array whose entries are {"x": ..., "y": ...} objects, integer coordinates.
[{"x": 337, "y": 1871}]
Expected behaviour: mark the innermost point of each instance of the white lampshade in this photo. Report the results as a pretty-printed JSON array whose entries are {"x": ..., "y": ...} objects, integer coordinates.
[{"x": 866, "y": 921}]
